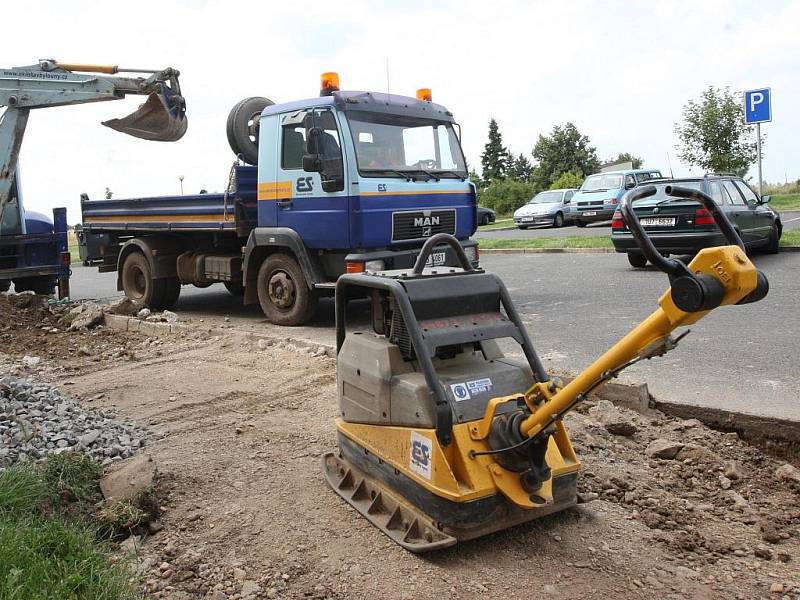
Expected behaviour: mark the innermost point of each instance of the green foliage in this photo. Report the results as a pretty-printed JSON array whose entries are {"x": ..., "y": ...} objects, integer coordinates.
[
  {"x": 476, "y": 179},
  {"x": 785, "y": 201},
  {"x": 72, "y": 476},
  {"x": 43, "y": 554},
  {"x": 507, "y": 195},
  {"x": 791, "y": 238},
  {"x": 495, "y": 158},
  {"x": 791, "y": 187},
  {"x": 623, "y": 157},
  {"x": 567, "y": 180},
  {"x": 521, "y": 168},
  {"x": 714, "y": 136},
  {"x": 575, "y": 241},
  {"x": 564, "y": 150}
]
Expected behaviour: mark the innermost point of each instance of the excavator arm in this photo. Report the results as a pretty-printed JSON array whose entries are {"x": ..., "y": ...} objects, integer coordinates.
[{"x": 49, "y": 83}]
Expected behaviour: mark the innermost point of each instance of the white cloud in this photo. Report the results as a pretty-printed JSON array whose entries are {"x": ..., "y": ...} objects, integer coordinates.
[{"x": 620, "y": 71}]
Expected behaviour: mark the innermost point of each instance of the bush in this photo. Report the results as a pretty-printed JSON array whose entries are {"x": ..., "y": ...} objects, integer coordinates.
[
  {"x": 506, "y": 195},
  {"x": 570, "y": 179},
  {"x": 793, "y": 187}
]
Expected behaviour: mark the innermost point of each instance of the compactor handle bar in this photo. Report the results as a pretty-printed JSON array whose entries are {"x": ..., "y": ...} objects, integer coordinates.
[
  {"x": 671, "y": 267},
  {"x": 441, "y": 238},
  {"x": 690, "y": 292}
]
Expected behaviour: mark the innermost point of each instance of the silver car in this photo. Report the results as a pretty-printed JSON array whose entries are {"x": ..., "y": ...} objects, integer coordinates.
[{"x": 545, "y": 208}]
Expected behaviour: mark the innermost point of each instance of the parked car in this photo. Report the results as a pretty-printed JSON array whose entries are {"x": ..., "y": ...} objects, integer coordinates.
[
  {"x": 485, "y": 215},
  {"x": 680, "y": 226},
  {"x": 600, "y": 194},
  {"x": 550, "y": 207}
]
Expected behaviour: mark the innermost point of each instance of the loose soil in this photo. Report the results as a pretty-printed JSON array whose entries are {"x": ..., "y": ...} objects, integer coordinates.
[{"x": 246, "y": 510}]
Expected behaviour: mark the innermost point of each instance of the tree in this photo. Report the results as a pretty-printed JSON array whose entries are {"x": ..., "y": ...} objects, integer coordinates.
[
  {"x": 520, "y": 168},
  {"x": 506, "y": 195},
  {"x": 623, "y": 157},
  {"x": 714, "y": 136},
  {"x": 564, "y": 150},
  {"x": 567, "y": 180},
  {"x": 495, "y": 157}
]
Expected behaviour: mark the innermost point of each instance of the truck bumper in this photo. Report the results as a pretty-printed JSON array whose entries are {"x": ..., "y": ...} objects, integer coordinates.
[{"x": 405, "y": 259}]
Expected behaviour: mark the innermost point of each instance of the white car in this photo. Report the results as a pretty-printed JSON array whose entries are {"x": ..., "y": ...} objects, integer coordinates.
[{"x": 545, "y": 208}]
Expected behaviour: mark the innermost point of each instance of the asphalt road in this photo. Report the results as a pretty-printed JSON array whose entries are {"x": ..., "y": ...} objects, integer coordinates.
[
  {"x": 575, "y": 306},
  {"x": 791, "y": 220}
]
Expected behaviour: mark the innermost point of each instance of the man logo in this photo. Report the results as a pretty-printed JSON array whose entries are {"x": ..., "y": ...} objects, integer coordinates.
[
  {"x": 426, "y": 221},
  {"x": 427, "y": 231},
  {"x": 304, "y": 184}
]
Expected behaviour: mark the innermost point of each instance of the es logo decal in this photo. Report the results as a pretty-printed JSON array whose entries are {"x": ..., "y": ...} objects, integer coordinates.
[
  {"x": 421, "y": 455},
  {"x": 304, "y": 184},
  {"x": 382, "y": 187}
]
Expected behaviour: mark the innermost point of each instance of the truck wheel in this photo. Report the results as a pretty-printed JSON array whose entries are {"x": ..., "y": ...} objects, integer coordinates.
[
  {"x": 44, "y": 285},
  {"x": 5, "y": 285},
  {"x": 137, "y": 280},
  {"x": 282, "y": 291},
  {"x": 167, "y": 291},
  {"x": 234, "y": 287},
  {"x": 242, "y": 127}
]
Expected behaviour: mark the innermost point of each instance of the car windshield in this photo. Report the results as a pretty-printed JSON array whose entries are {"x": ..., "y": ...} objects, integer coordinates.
[
  {"x": 546, "y": 198},
  {"x": 396, "y": 145},
  {"x": 602, "y": 182}
]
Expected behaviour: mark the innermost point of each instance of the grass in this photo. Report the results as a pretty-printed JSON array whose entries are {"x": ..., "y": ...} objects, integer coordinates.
[
  {"x": 72, "y": 241},
  {"x": 785, "y": 202},
  {"x": 791, "y": 238},
  {"x": 498, "y": 224},
  {"x": 547, "y": 242},
  {"x": 46, "y": 549}
]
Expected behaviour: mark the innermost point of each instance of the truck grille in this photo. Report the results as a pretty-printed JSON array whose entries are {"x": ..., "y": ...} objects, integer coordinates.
[{"x": 421, "y": 224}]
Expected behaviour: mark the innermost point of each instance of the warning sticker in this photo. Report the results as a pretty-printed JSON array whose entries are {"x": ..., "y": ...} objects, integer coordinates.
[
  {"x": 460, "y": 391},
  {"x": 480, "y": 386},
  {"x": 421, "y": 455}
]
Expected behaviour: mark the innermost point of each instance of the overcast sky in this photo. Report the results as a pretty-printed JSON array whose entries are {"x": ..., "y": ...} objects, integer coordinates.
[{"x": 620, "y": 71}]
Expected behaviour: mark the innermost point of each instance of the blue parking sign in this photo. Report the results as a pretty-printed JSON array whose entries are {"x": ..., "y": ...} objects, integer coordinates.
[{"x": 757, "y": 106}]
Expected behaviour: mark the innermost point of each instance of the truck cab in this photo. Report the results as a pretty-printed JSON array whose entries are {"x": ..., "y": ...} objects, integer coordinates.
[{"x": 345, "y": 182}]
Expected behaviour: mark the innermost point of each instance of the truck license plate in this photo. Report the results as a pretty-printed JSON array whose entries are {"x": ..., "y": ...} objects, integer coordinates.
[
  {"x": 436, "y": 259},
  {"x": 659, "y": 222},
  {"x": 590, "y": 213}
]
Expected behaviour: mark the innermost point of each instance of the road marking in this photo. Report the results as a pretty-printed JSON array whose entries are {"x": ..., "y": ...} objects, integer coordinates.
[{"x": 791, "y": 220}]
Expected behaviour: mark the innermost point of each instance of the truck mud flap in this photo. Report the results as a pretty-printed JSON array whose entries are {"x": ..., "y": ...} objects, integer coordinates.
[{"x": 399, "y": 520}]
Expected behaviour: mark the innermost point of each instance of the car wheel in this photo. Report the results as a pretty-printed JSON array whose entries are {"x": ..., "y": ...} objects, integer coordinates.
[
  {"x": 637, "y": 260},
  {"x": 559, "y": 220},
  {"x": 485, "y": 220},
  {"x": 580, "y": 223},
  {"x": 522, "y": 226},
  {"x": 282, "y": 291},
  {"x": 774, "y": 243}
]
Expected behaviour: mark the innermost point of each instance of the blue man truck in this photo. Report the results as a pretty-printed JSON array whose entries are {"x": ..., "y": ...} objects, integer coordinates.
[{"x": 345, "y": 182}]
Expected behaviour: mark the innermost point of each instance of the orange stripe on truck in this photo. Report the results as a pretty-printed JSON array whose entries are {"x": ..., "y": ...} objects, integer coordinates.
[{"x": 275, "y": 190}]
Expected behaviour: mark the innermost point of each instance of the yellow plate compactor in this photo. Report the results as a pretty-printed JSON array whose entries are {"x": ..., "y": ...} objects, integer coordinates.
[{"x": 441, "y": 437}]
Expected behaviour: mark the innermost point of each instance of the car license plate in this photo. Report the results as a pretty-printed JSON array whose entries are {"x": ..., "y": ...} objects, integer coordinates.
[
  {"x": 527, "y": 219},
  {"x": 590, "y": 213},
  {"x": 658, "y": 222},
  {"x": 436, "y": 259}
]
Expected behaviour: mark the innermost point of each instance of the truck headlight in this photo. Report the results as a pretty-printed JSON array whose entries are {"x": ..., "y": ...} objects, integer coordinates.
[{"x": 374, "y": 265}]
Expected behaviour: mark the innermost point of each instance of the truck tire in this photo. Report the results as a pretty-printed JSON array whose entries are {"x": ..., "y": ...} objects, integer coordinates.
[
  {"x": 170, "y": 290},
  {"x": 242, "y": 127},
  {"x": 282, "y": 291},
  {"x": 5, "y": 285},
  {"x": 137, "y": 280},
  {"x": 44, "y": 285}
]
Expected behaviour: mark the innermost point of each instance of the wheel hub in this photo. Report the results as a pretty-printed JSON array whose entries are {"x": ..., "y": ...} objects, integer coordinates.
[{"x": 281, "y": 290}]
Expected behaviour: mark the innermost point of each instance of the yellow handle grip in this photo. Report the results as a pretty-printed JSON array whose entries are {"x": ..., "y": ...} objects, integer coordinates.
[{"x": 110, "y": 70}]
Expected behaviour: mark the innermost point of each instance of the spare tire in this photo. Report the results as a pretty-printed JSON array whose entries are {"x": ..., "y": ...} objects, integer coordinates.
[{"x": 242, "y": 127}]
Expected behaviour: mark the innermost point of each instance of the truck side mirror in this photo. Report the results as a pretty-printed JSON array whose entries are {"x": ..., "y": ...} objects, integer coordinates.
[
  {"x": 312, "y": 159},
  {"x": 312, "y": 163}
]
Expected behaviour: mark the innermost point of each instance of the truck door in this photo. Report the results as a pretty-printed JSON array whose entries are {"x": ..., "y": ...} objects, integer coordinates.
[{"x": 314, "y": 202}]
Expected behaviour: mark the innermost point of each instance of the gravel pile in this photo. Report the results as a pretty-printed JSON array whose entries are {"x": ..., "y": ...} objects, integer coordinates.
[{"x": 37, "y": 420}]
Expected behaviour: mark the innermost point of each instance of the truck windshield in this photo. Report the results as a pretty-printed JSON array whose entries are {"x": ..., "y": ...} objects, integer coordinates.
[
  {"x": 601, "y": 183},
  {"x": 400, "y": 146}
]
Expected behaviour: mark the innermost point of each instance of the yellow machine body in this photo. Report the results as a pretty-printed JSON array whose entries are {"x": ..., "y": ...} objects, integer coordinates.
[{"x": 428, "y": 495}]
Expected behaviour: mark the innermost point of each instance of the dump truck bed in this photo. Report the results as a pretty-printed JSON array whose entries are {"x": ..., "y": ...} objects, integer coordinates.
[{"x": 235, "y": 211}]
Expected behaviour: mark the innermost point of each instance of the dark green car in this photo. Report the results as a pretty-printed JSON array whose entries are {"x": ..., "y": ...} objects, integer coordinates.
[{"x": 679, "y": 226}]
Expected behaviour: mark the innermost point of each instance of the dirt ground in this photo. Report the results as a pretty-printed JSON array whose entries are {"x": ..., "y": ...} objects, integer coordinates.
[{"x": 247, "y": 511}]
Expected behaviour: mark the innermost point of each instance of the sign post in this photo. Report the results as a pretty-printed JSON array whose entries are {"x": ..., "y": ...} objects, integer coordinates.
[{"x": 757, "y": 110}]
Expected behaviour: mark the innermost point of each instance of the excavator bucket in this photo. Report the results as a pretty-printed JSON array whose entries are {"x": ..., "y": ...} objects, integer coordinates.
[{"x": 157, "y": 119}]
